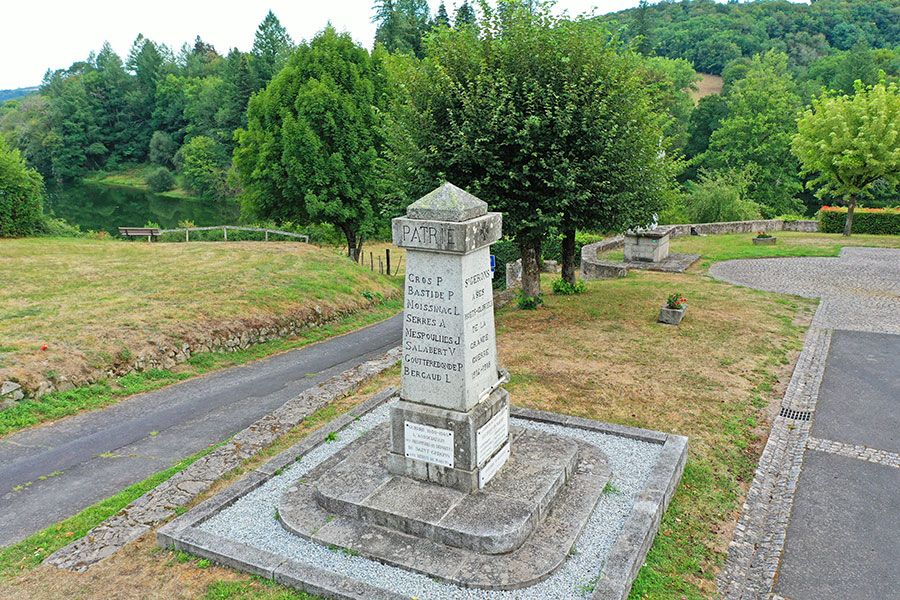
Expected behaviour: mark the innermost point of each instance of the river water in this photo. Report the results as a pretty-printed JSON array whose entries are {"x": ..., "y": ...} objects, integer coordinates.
[{"x": 99, "y": 207}]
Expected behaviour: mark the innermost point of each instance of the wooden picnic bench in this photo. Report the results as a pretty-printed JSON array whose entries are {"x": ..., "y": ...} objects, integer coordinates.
[{"x": 147, "y": 232}]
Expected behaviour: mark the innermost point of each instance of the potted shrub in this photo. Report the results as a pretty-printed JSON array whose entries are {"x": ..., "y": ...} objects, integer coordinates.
[
  {"x": 673, "y": 312},
  {"x": 764, "y": 239}
]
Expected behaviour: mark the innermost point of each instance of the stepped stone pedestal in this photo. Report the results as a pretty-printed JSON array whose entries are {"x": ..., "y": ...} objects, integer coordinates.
[{"x": 447, "y": 487}]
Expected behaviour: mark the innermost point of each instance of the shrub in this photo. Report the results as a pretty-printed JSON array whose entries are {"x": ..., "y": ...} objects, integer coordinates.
[
  {"x": 21, "y": 196},
  {"x": 720, "y": 196},
  {"x": 881, "y": 221},
  {"x": 562, "y": 287},
  {"x": 529, "y": 302},
  {"x": 161, "y": 180},
  {"x": 552, "y": 248}
]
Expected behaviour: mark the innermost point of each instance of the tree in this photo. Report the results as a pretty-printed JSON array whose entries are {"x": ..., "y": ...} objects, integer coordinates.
[
  {"x": 543, "y": 118},
  {"x": 402, "y": 25},
  {"x": 465, "y": 16},
  {"x": 756, "y": 134},
  {"x": 21, "y": 195},
  {"x": 847, "y": 143},
  {"x": 312, "y": 146},
  {"x": 202, "y": 165},
  {"x": 441, "y": 18},
  {"x": 271, "y": 47},
  {"x": 162, "y": 149},
  {"x": 720, "y": 196}
]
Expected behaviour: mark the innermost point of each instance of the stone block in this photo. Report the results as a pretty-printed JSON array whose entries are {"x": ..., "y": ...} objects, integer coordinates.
[
  {"x": 671, "y": 316},
  {"x": 446, "y": 236},
  {"x": 463, "y": 425},
  {"x": 649, "y": 246}
]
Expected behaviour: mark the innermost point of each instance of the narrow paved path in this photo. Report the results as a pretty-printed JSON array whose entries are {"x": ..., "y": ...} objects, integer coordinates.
[
  {"x": 68, "y": 465},
  {"x": 822, "y": 517}
]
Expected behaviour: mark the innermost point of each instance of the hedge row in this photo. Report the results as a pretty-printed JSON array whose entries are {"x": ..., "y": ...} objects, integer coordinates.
[{"x": 881, "y": 221}]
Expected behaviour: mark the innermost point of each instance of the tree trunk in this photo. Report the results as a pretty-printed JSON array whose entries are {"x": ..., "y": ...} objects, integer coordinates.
[
  {"x": 353, "y": 245},
  {"x": 848, "y": 224},
  {"x": 531, "y": 272},
  {"x": 568, "y": 255}
]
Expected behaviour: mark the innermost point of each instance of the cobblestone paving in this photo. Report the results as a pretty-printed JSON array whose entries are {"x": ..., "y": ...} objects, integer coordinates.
[
  {"x": 872, "y": 455},
  {"x": 859, "y": 291}
]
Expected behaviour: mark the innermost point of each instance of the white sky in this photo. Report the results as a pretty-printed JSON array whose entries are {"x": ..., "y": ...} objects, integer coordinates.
[{"x": 39, "y": 34}]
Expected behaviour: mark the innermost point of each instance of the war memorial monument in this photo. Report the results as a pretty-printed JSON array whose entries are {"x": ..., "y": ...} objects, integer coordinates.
[{"x": 443, "y": 489}]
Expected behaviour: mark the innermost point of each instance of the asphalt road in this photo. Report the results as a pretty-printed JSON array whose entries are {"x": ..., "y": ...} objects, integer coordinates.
[{"x": 51, "y": 472}]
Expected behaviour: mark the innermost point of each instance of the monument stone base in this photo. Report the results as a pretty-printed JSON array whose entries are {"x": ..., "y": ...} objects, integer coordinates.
[
  {"x": 651, "y": 245},
  {"x": 478, "y": 441},
  {"x": 352, "y": 501}
]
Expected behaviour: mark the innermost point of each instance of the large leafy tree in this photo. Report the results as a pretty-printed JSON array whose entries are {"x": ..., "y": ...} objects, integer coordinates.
[
  {"x": 313, "y": 142},
  {"x": 847, "y": 143},
  {"x": 755, "y": 136},
  {"x": 546, "y": 121}
]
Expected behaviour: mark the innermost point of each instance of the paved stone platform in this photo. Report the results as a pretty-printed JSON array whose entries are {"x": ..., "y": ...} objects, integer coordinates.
[
  {"x": 674, "y": 263},
  {"x": 820, "y": 519},
  {"x": 355, "y": 485},
  {"x": 240, "y": 528}
]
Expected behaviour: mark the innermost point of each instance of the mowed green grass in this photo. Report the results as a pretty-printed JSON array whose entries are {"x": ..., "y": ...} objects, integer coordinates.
[
  {"x": 715, "y": 248},
  {"x": 94, "y": 303}
]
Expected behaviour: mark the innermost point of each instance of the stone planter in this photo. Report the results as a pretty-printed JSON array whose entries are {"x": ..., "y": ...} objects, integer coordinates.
[
  {"x": 764, "y": 241},
  {"x": 671, "y": 316}
]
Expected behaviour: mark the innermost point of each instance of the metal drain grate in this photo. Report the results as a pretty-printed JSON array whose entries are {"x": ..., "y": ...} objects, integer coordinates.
[{"x": 797, "y": 415}]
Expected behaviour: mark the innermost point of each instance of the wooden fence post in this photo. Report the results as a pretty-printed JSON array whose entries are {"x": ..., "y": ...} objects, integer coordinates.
[
  {"x": 387, "y": 259},
  {"x": 371, "y": 262}
]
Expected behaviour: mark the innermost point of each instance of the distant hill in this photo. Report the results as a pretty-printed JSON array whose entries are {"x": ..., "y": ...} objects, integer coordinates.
[{"x": 16, "y": 93}]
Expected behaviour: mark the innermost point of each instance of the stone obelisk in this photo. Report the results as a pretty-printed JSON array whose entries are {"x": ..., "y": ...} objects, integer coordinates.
[{"x": 451, "y": 425}]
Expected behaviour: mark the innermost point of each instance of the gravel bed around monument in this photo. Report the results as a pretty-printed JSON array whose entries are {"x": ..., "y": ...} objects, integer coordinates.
[{"x": 251, "y": 520}]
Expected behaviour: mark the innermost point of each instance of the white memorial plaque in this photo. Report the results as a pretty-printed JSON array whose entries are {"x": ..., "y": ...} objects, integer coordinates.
[
  {"x": 429, "y": 444},
  {"x": 490, "y": 469},
  {"x": 492, "y": 435}
]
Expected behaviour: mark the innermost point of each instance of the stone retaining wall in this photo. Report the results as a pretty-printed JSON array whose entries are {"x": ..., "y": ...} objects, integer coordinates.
[
  {"x": 166, "y": 354},
  {"x": 593, "y": 268}
]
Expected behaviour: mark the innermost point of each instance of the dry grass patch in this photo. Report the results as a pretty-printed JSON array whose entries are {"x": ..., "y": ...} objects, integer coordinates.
[
  {"x": 95, "y": 303},
  {"x": 602, "y": 355}
]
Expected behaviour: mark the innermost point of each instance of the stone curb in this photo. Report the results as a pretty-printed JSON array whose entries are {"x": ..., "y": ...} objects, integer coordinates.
[
  {"x": 614, "y": 581},
  {"x": 161, "y": 502}
]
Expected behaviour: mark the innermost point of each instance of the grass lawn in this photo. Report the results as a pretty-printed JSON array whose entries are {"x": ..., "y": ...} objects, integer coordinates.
[
  {"x": 95, "y": 303},
  {"x": 135, "y": 176},
  {"x": 715, "y": 248}
]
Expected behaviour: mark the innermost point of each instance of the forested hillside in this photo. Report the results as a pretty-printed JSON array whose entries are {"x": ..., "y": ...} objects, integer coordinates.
[
  {"x": 180, "y": 110},
  {"x": 176, "y": 109},
  {"x": 712, "y": 34}
]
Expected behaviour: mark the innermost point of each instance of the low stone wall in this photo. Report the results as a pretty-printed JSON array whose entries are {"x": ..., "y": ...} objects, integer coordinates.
[
  {"x": 165, "y": 354},
  {"x": 593, "y": 268},
  {"x": 768, "y": 225}
]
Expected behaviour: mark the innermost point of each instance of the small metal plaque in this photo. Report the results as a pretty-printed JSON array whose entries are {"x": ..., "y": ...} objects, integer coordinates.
[
  {"x": 428, "y": 444},
  {"x": 492, "y": 435},
  {"x": 490, "y": 469}
]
